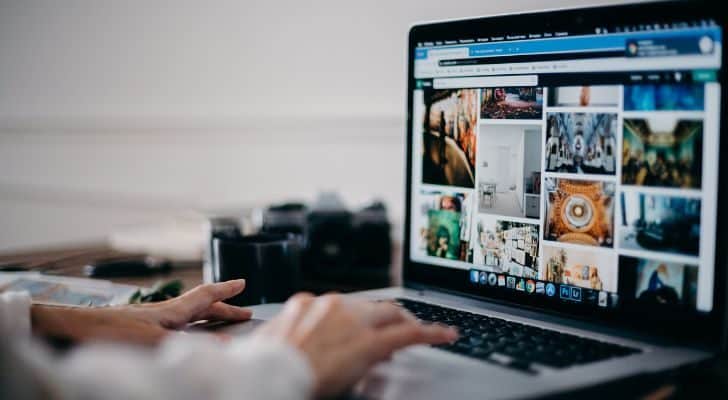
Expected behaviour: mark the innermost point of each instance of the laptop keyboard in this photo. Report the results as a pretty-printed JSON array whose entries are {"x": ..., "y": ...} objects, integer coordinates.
[{"x": 512, "y": 344}]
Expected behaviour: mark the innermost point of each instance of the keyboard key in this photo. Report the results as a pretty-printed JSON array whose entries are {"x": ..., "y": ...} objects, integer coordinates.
[{"x": 513, "y": 344}]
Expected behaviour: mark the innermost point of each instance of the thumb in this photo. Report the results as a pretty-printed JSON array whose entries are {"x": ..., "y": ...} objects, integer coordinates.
[{"x": 203, "y": 296}]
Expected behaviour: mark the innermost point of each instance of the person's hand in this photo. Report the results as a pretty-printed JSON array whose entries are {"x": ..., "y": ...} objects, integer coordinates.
[
  {"x": 140, "y": 323},
  {"x": 343, "y": 338}
]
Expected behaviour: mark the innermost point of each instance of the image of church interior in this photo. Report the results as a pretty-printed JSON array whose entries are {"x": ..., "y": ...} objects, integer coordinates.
[
  {"x": 506, "y": 247},
  {"x": 660, "y": 223},
  {"x": 579, "y": 212},
  {"x": 511, "y": 103},
  {"x": 662, "y": 151},
  {"x": 449, "y": 139},
  {"x": 581, "y": 143},
  {"x": 581, "y": 268},
  {"x": 584, "y": 96},
  {"x": 509, "y": 180}
]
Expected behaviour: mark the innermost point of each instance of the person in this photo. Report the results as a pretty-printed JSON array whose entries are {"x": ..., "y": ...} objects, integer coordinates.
[
  {"x": 443, "y": 139},
  {"x": 659, "y": 276},
  {"x": 451, "y": 203},
  {"x": 585, "y": 96},
  {"x": 443, "y": 242},
  {"x": 659, "y": 173},
  {"x": 317, "y": 346}
]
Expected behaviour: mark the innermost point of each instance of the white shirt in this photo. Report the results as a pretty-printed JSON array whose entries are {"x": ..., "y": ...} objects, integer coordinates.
[{"x": 184, "y": 366}]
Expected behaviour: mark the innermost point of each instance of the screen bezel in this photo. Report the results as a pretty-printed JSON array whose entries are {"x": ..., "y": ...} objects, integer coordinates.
[{"x": 704, "y": 329}]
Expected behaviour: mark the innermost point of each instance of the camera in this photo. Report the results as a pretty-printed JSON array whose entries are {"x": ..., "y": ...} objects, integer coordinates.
[{"x": 339, "y": 245}]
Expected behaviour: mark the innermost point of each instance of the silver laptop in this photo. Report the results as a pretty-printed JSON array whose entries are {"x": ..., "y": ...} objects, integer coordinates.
[{"x": 563, "y": 173}]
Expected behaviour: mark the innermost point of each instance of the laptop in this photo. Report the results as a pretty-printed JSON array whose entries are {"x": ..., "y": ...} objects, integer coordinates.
[{"x": 563, "y": 180}]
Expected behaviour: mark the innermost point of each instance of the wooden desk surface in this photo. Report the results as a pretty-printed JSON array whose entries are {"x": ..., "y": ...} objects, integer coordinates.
[{"x": 70, "y": 261}]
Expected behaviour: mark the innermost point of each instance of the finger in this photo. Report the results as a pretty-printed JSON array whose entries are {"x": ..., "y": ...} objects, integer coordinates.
[
  {"x": 200, "y": 298},
  {"x": 325, "y": 310},
  {"x": 223, "y": 337},
  {"x": 397, "y": 336},
  {"x": 293, "y": 312},
  {"x": 226, "y": 312},
  {"x": 300, "y": 296},
  {"x": 214, "y": 292},
  {"x": 380, "y": 314}
]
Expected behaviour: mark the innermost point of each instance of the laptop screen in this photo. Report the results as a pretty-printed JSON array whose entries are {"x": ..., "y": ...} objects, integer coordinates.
[{"x": 570, "y": 165}]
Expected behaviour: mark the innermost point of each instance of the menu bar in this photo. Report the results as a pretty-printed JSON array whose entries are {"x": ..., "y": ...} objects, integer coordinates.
[{"x": 595, "y": 30}]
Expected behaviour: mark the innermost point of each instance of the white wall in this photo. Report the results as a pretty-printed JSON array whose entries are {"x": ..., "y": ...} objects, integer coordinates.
[
  {"x": 491, "y": 140},
  {"x": 518, "y": 170},
  {"x": 119, "y": 112},
  {"x": 532, "y": 155}
]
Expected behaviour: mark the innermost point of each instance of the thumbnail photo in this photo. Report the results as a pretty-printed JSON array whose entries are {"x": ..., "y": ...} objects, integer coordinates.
[
  {"x": 662, "y": 151},
  {"x": 511, "y": 103},
  {"x": 509, "y": 165},
  {"x": 443, "y": 224},
  {"x": 579, "y": 212},
  {"x": 659, "y": 282},
  {"x": 659, "y": 97},
  {"x": 584, "y": 96},
  {"x": 660, "y": 223},
  {"x": 505, "y": 246},
  {"x": 449, "y": 140},
  {"x": 581, "y": 143},
  {"x": 579, "y": 267}
]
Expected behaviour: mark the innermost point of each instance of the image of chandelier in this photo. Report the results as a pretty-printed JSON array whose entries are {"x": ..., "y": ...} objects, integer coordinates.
[{"x": 581, "y": 213}]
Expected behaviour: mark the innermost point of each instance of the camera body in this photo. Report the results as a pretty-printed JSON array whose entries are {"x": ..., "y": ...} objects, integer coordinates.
[{"x": 339, "y": 245}]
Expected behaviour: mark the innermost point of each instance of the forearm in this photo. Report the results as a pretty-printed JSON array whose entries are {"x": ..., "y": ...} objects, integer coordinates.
[
  {"x": 116, "y": 324},
  {"x": 57, "y": 321}
]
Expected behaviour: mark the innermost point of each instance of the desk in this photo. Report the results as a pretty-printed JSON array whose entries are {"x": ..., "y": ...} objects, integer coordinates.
[
  {"x": 708, "y": 379},
  {"x": 70, "y": 261}
]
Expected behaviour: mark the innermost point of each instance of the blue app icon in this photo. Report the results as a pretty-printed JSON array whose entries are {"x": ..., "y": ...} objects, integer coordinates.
[
  {"x": 483, "y": 278},
  {"x": 473, "y": 276},
  {"x": 576, "y": 294},
  {"x": 550, "y": 289},
  {"x": 565, "y": 292}
]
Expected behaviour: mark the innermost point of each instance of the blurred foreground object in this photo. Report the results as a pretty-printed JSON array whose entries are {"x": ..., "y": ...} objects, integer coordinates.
[
  {"x": 160, "y": 292},
  {"x": 342, "y": 250},
  {"x": 340, "y": 246},
  {"x": 270, "y": 263},
  {"x": 66, "y": 291}
]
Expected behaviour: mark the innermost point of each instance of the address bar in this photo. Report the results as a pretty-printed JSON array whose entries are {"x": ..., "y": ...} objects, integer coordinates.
[{"x": 485, "y": 81}]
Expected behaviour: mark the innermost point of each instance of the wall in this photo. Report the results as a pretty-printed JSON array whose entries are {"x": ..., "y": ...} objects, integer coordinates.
[
  {"x": 519, "y": 168},
  {"x": 532, "y": 155},
  {"x": 118, "y": 113},
  {"x": 492, "y": 138}
]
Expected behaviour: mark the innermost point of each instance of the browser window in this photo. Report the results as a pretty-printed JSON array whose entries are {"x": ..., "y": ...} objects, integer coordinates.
[{"x": 578, "y": 167}]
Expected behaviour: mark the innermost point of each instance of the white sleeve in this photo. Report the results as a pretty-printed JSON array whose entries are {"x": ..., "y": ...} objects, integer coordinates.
[
  {"x": 15, "y": 314},
  {"x": 189, "y": 367},
  {"x": 184, "y": 366}
]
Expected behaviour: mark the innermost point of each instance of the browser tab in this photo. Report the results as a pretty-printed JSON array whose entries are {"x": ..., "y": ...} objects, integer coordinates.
[{"x": 647, "y": 50}]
